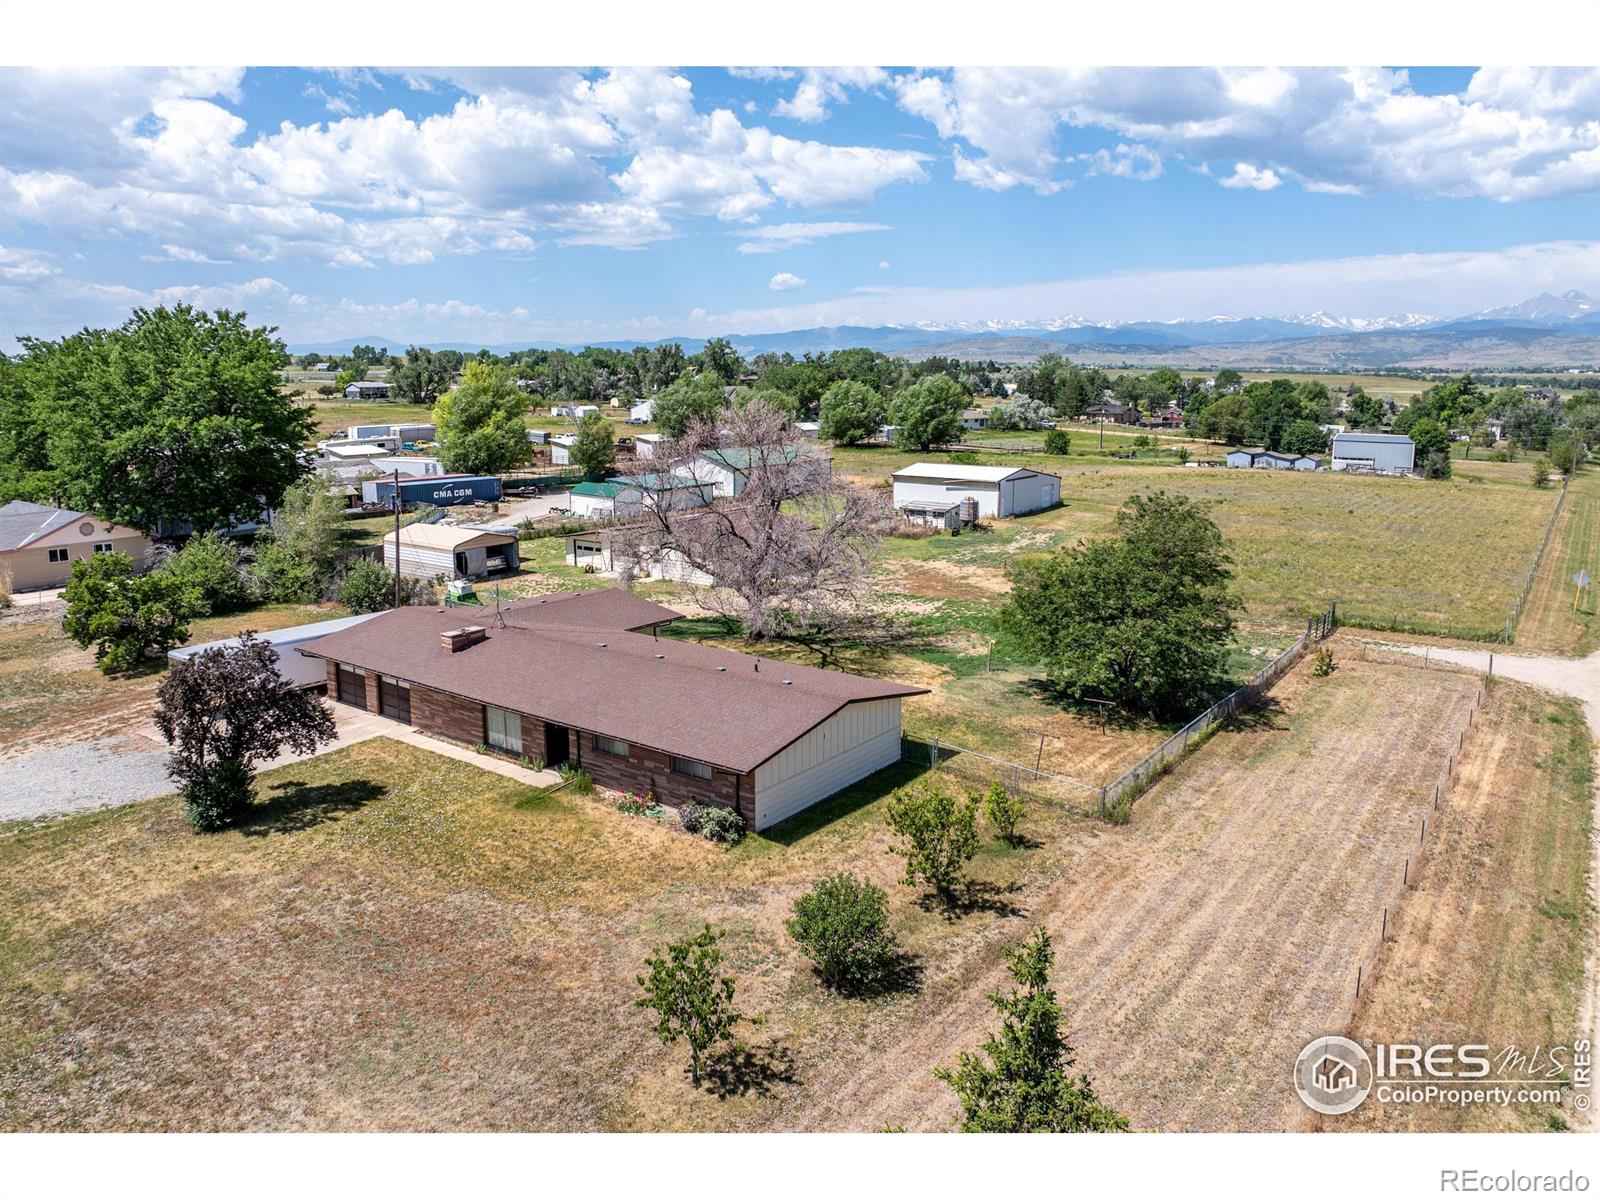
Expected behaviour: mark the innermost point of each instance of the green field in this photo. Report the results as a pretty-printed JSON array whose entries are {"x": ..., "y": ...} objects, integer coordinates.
[{"x": 1394, "y": 553}]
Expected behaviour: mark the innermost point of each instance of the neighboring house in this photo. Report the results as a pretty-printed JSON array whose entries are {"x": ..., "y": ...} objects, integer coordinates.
[
  {"x": 1262, "y": 459},
  {"x": 452, "y": 551},
  {"x": 359, "y": 447},
  {"x": 641, "y": 412},
  {"x": 630, "y": 495},
  {"x": 367, "y": 389},
  {"x": 646, "y": 444},
  {"x": 1169, "y": 419},
  {"x": 580, "y": 678},
  {"x": 1495, "y": 427},
  {"x": 39, "y": 544},
  {"x": 294, "y": 669},
  {"x": 442, "y": 491},
  {"x": 612, "y": 552},
  {"x": 1102, "y": 414},
  {"x": 975, "y": 418},
  {"x": 998, "y": 491},
  {"x": 729, "y": 469},
  {"x": 573, "y": 412},
  {"x": 561, "y": 445},
  {"x": 1384, "y": 453}
]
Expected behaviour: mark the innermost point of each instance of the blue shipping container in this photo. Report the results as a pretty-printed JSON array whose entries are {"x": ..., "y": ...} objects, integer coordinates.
[{"x": 438, "y": 490}]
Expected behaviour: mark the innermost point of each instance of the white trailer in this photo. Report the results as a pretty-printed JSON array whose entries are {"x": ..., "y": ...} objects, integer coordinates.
[{"x": 294, "y": 668}]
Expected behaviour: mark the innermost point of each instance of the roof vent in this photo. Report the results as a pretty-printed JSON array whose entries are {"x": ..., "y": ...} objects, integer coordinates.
[
  {"x": 788, "y": 682},
  {"x": 722, "y": 668},
  {"x": 661, "y": 656},
  {"x": 601, "y": 645}
]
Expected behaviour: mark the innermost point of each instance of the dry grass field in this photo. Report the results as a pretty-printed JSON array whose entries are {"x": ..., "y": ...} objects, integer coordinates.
[
  {"x": 44, "y": 675},
  {"x": 1393, "y": 552},
  {"x": 401, "y": 941},
  {"x": 1489, "y": 945},
  {"x": 1556, "y": 618}
]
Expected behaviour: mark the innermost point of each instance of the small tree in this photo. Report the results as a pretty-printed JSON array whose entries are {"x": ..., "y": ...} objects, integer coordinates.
[
  {"x": 1020, "y": 1081},
  {"x": 691, "y": 399},
  {"x": 595, "y": 447},
  {"x": 1541, "y": 472},
  {"x": 222, "y": 712},
  {"x": 941, "y": 836},
  {"x": 1436, "y": 465},
  {"x": 842, "y": 925},
  {"x": 297, "y": 552},
  {"x": 208, "y": 565},
  {"x": 1057, "y": 441},
  {"x": 126, "y": 616},
  {"x": 692, "y": 1001},
  {"x": 368, "y": 587},
  {"x": 1004, "y": 811}
]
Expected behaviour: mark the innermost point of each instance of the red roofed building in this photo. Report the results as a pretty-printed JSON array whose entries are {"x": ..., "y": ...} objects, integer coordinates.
[{"x": 584, "y": 678}]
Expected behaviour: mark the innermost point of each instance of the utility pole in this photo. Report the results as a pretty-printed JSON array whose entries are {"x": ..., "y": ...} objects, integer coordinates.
[{"x": 397, "y": 537}]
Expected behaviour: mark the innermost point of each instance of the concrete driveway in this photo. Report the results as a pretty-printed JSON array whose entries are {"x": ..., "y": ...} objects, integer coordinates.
[{"x": 534, "y": 507}]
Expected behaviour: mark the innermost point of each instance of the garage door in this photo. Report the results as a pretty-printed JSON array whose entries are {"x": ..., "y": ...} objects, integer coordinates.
[
  {"x": 352, "y": 687},
  {"x": 394, "y": 699}
]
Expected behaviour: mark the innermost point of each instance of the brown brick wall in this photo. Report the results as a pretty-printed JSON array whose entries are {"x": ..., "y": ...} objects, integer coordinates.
[
  {"x": 647, "y": 770},
  {"x": 447, "y": 715}
]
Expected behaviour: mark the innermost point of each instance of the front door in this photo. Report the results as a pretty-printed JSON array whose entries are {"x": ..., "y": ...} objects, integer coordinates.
[
  {"x": 394, "y": 699},
  {"x": 557, "y": 745}
]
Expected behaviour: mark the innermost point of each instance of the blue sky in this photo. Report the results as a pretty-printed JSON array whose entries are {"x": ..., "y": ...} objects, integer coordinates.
[{"x": 510, "y": 205}]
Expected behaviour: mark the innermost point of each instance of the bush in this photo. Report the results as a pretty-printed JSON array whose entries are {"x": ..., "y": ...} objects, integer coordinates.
[
  {"x": 208, "y": 565},
  {"x": 127, "y": 617},
  {"x": 1057, "y": 441},
  {"x": 1004, "y": 811},
  {"x": 283, "y": 575},
  {"x": 940, "y": 835},
  {"x": 368, "y": 587},
  {"x": 1322, "y": 663},
  {"x": 578, "y": 781},
  {"x": 712, "y": 822},
  {"x": 842, "y": 925},
  {"x": 5, "y": 586},
  {"x": 1436, "y": 465},
  {"x": 219, "y": 798},
  {"x": 1541, "y": 472},
  {"x": 964, "y": 458}
]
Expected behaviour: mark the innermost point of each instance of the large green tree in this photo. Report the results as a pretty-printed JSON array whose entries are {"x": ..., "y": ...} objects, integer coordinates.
[
  {"x": 423, "y": 375},
  {"x": 480, "y": 425},
  {"x": 850, "y": 412},
  {"x": 1143, "y": 618},
  {"x": 928, "y": 413},
  {"x": 596, "y": 446},
  {"x": 1021, "y": 1080},
  {"x": 127, "y": 617},
  {"x": 691, "y": 398},
  {"x": 175, "y": 417}
]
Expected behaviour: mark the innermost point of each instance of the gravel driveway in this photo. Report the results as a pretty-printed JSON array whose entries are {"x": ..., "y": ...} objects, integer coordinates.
[{"x": 81, "y": 776}]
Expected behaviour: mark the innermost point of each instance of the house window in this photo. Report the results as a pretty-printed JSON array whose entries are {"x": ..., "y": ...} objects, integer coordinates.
[
  {"x": 58, "y": 554},
  {"x": 692, "y": 768},
  {"x": 102, "y": 547},
  {"x": 505, "y": 729},
  {"x": 610, "y": 746}
]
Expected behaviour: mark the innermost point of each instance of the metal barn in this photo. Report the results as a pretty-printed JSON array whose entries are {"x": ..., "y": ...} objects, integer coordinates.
[{"x": 999, "y": 491}]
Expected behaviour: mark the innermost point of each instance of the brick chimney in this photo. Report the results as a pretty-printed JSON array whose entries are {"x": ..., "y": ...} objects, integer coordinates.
[{"x": 455, "y": 640}]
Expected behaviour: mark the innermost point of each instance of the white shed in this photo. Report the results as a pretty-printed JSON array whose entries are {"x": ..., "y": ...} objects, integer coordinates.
[
  {"x": 1382, "y": 452},
  {"x": 293, "y": 668},
  {"x": 641, "y": 412},
  {"x": 451, "y": 551},
  {"x": 999, "y": 491},
  {"x": 645, "y": 444},
  {"x": 561, "y": 448}
]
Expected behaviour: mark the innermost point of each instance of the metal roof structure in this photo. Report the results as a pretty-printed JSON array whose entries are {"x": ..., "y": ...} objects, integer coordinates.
[
  {"x": 449, "y": 537},
  {"x": 957, "y": 473}
]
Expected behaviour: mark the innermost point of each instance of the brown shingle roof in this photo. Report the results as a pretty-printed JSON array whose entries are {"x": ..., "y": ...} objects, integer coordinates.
[
  {"x": 598, "y": 608},
  {"x": 678, "y": 697}
]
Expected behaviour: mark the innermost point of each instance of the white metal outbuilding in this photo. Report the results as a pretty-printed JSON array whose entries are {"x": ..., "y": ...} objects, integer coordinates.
[
  {"x": 295, "y": 669},
  {"x": 999, "y": 491},
  {"x": 853, "y": 743}
]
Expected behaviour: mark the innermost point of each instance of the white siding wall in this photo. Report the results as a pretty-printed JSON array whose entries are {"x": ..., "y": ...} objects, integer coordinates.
[
  {"x": 593, "y": 506},
  {"x": 987, "y": 494},
  {"x": 853, "y": 743},
  {"x": 420, "y": 562}
]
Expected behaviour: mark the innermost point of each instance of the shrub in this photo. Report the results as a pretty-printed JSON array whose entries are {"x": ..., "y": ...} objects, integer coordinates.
[
  {"x": 712, "y": 822},
  {"x": 637, "y": 806},
  {"x": 842, "y": 925},
  {"x": 1541, "y": 472},
  {"x": 283, "y": 575},
  {"x": 578, "y": 781},
  {"x": 5, "y": 586},
  {"x": 208, "y": 565},
  {"x": 1004, "y": 811},
  {"x": 126, "y": 616},
  {"x": 531, "y": 762},
  {"x": 1322, "y": 663},
  {"x": 964, "y": 458},
  {"x": 1057, "y": 441},
  {"x": 368, "y": 587},
  {"x": 1436, "y": 465},
  {"x": 1121, "y": 810},
  {"x": 940, "y": 835}
]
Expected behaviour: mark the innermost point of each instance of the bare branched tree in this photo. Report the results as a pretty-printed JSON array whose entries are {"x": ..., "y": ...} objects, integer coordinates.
[{"x": 784, "y": 545}]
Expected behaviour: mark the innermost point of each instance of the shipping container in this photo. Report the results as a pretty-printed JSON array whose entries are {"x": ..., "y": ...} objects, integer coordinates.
[{"x": 438, "y": 490}]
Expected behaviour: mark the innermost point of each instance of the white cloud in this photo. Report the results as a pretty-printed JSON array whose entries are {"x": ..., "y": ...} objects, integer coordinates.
[
  {"x": 783, "y": 281},
  {"x": 764, "y": 239},
  {"x": 25, "y": 266},
  {"x": 159, "y": 157},
  {"x": 1262, "y": 179},
  {"x": 1519, "y": 133},
  {"x": 822, "y": 86},
  {"x": 1125, "y": 162},
  {"x": 883, "y": 264}
]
